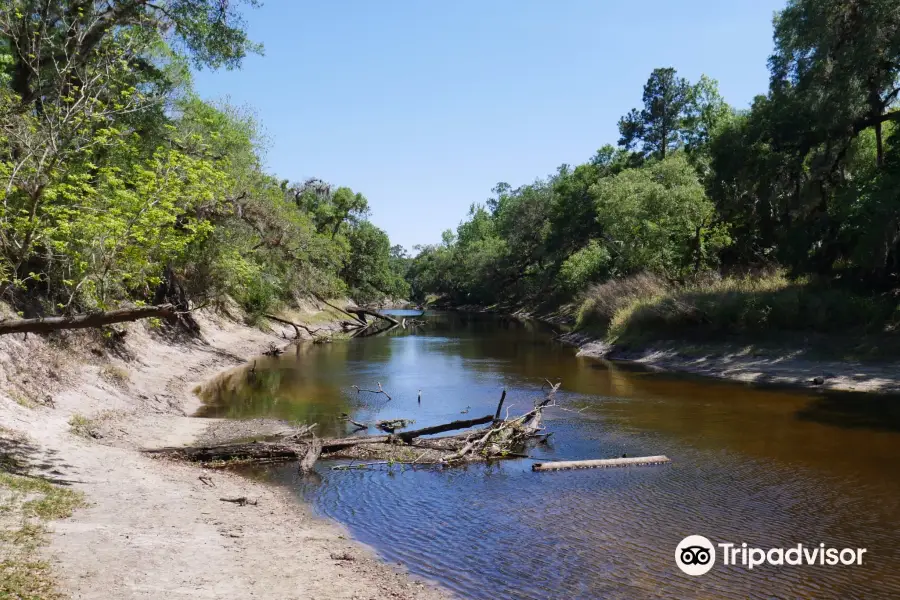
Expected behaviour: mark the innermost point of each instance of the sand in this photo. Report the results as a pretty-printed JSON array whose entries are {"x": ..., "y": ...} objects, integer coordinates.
[
  {"x": 787, "y": 368},
  {"x": 152, "y": 528}
]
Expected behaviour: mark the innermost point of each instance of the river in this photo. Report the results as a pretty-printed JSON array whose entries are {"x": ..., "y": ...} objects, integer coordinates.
[{"x": 769, "y": 467}]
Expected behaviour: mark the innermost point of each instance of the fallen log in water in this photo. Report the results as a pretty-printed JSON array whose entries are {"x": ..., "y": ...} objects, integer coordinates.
[
  {"x": 562, "y": 465},
  {"x": 407, "y": 436},
  {"x": 255, "y": 451},
  {"x": 503, "y": 438},
  {"x": 360, "y": 312}
]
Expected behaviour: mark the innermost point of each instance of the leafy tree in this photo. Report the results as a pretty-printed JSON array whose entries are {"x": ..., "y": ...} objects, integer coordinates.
[
  {"x": 706, "y": 113},
  {"x": 368, "y": 271},
  {"x": 841, "y": 59},
  {"x": 658, "y": 125},
  {"x": 586, "y": 266},
  {"x": 657, "y": 218},
  {"x": 120, "y": 184}
]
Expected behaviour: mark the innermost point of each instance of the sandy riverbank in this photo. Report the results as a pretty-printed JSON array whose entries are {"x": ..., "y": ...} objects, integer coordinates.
[
  {"x": 750, "y": 365},
  {"x": 152, "y": 529}
]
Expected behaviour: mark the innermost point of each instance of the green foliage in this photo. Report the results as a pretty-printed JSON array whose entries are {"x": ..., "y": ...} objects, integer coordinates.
[
  {"x": 808, "y": 178},
  {"x": 121, "y": 185},
  {"x": 658, "y": 126},
  {"x": 585, "y": 266},
  {"x": 657, "y": 218},
  {"x": 370, "y": 272}
]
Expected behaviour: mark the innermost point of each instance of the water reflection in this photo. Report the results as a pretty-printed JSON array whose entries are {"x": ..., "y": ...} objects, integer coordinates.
[{"x": 764, "y": 466}]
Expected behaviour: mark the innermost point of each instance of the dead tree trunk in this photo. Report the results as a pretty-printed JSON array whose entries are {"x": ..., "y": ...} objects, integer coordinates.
[
  {"x": 327, "y": 303},
  {"x": 407, "y": 436},
  {"x": 365, "y": 311},
  {"x": 47, "y": 324},
  {"x": 311, "y": 456},
  {"x": 296, "y": 326},
  {"x": 255, "y": 451}
]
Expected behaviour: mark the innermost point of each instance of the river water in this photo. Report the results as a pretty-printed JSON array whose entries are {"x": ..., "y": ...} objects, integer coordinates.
[{"x": 769, "y": 467}]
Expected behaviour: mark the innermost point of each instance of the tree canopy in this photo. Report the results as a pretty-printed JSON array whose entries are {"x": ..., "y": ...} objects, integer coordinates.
[
  {"x": 806, "y": 178},
  {"x": 120, "y": 184}
]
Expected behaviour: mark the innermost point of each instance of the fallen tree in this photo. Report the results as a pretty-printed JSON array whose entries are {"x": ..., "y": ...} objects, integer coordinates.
[
  {"x": 504, "y": 438},
  {"x": 407, "y": 437},
  {"x": 563, "y": 465},
  {"x": 296, "y": 326},
  {"x": 365, "y": 311},
  {"x": 85, "y": 321}
]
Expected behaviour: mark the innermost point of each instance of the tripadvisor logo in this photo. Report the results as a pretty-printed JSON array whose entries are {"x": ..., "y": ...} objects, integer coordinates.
[{"x": 696, "y": 555}]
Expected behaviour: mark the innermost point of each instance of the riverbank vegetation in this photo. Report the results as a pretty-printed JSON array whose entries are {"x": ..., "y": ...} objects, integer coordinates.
[
  {"x": 704, "y": 217},
  {"x": 121, "y": 186}
]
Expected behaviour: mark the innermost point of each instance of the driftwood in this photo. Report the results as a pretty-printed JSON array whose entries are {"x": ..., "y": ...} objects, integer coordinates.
[
  {"x": 313, "y": 450},
  {"x": 329, "y": 446},
  {"x": 392, "y": 425},
  {"x": 407, "y": 436},
  {"x": 282, "y": 451},
  {"x": 366, "y": 328},
  {"x": 506, "y": 437},
  {"x": 296, "y": 326},
  {"x": 273, "y": 351},
  {"x": 356, "y": 424},
  {"x": 503, "y": 438},
  {"x": 500, "y": 405},
  {"x": 47, "y": 324},
  {"x": 359, "y": 322},
  {"x": 241, "y": 501},
  {"x": 252, "y": 451},
  {"x": 380, "y": 390},
  {"x": 365, "y": 311},
  {"x": 594, "y": 464}
]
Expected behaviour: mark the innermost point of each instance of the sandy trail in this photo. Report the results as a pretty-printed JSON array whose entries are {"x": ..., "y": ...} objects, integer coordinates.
[{"x": 152, "y": 528}]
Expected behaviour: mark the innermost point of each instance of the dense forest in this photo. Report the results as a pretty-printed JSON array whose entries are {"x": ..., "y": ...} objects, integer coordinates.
[
  {"x": 120, "y": 185},
  {"x": 800, "y": 190}
]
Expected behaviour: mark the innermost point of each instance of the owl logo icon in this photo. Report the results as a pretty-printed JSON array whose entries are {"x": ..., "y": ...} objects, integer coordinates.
[{"x": 695, "y": 555}]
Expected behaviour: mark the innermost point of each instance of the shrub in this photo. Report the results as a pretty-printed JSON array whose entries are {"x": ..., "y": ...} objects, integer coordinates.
[
  {"x": 602, "y": 302},
  {"x": 733, "y": 306},
  {"x": 584, "y": 267}
]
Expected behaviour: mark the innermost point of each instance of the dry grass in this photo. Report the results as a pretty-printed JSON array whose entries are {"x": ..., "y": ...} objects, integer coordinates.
[
  {"x": 26, "y": 503},
  {"x": 116, "y": 375},
  {"x": 604, "y": 301},
  {"x": 21, "y": 399},
  {"x": 82, "y": 426},
  {"x": 641, "y": 309}
]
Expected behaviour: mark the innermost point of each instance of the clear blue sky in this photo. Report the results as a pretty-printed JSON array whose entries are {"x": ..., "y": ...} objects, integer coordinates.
[{"x": 423, "y": 106}]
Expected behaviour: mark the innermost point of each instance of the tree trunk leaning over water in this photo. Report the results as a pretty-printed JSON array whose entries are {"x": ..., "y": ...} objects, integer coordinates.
[
  {"x": 296, "y": 326},
  {"x": 365, "y": 311}
]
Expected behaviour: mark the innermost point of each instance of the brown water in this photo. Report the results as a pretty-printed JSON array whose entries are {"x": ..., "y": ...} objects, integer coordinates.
[{"x": 769, "y": 467}]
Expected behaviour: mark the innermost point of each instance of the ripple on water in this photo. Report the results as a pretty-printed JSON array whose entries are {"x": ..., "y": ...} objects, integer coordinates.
[
  {"x": 763, "y": 467},
  {"x": 505, "y": 532}
]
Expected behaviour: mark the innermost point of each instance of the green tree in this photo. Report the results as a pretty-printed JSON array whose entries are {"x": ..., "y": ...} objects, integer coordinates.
[
  {"x": 658, "y": 125},
  {"x": 657, "y": 218},
  {"x": 841, "y": 59},
  {"x": 368, "y": 271}
]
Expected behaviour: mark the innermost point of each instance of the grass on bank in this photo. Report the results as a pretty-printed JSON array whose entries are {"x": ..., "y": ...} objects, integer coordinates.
[
  {"x": 26, "y": 504},
  {"x": 772, "y": 308}
]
